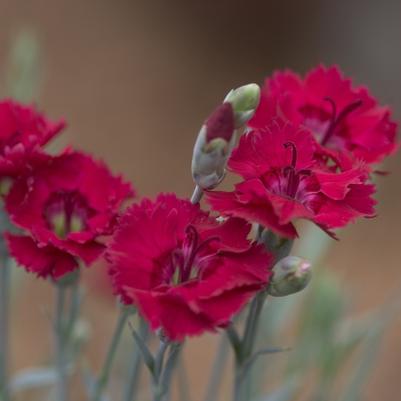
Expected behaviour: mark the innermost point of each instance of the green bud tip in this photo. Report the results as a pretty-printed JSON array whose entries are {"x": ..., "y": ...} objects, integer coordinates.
[{"x": 245, "y": 98}]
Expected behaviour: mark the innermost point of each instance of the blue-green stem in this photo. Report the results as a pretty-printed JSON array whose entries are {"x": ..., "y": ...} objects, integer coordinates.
[
  {"x": 197, "y": 195},
  {"x": 164, "y": 368},
  {"x": 134, "y": 370},
  {"x": 5, "y": 270},
  {"x": 244, "y": 348},
  {"x": 4, "y": 305},
  {"x": 103, "y": 379},
  {"x": 66, "y": 315},
  {"x": 61, "y": 345}
]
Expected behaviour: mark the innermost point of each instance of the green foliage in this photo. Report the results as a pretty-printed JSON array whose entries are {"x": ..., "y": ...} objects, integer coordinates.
[{"x": 23, "y": 72}]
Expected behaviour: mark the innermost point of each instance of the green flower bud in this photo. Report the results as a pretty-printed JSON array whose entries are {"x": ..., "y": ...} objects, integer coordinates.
[
  {"x": 290, "y": 275},
  {"x": 244, "y": 101}
]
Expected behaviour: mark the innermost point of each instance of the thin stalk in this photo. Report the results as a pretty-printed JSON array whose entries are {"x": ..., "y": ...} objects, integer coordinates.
[
  {"x": 242, "y": 386},
  {"x": 5, "y": 272},
  {"x": 163, "y": 370},
  {"x": 168, "y": 370},
  {"x": 242, "y": 367},
  {"x": 60, "y": 345},
  {"x": 73, "y": 313},
  {"x": 253, "y": 324},
  {"x": 239, "y": 388},
  {"x": 131, "y": 388},
  {"x": 105, "y": 373},
  {"x": 158, "y": 390},
  {"x": 4, "y": 318},
  {"x": 197, "y": 195}
]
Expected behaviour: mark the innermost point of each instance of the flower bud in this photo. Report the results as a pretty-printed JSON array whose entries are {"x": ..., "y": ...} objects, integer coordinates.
[
  {"x": 217, "y": 136},
  {"x": 290, "y": 275},
  {"x": 244, "y": 101},
  {"x": 213, "y": 146}
]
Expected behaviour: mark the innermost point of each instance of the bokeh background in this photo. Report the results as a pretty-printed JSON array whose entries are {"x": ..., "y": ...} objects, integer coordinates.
[{"x": 135, "y": 79}]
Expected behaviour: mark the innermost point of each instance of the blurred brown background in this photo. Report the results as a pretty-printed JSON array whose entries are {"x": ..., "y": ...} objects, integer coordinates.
[{"x": 135, "y": 79}]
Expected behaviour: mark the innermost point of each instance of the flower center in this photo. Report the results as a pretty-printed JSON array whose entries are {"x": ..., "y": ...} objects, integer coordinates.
[
  {"x": 336, "y": 119},
  {"x": 183, "y": 265},
  {"x": 292, "y": 175},
  {"x": 67, "y": 212}
]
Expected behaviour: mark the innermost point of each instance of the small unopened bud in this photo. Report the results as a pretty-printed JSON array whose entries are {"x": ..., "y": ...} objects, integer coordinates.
[
  {"x": 213, "y": 146},
  {"x": 290, "y": 275},
  {"x": 244, "y": 100}
]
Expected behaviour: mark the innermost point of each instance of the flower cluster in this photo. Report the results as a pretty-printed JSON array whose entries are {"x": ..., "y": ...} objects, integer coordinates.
[
  {"x": 308, "y": 154},
  {"x": 23, "y": 133},
  {"x": 63, "y": 204}
]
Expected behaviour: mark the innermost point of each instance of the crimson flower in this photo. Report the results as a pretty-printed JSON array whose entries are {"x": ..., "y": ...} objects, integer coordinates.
[
  {"x": 185, "y": 271},
  {"x": 23, "y": 131},
  {"x": 65, "y": 208},
  {"x": 341, "y": 116},
  {"x": 283, "y": 181}
]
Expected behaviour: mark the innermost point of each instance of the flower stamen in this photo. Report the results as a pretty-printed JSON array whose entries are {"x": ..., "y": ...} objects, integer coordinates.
[
  {"x": 182, "y": 260},
  {"x": 337, "y": 118},
  {"x": 293, "y": 176}
]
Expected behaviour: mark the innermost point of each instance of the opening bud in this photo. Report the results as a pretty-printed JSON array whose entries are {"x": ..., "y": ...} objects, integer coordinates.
[
  {"x": 244, "y": 101},
  {"x": 213, "y": 146},
  {"x": 290, "y": 275}
]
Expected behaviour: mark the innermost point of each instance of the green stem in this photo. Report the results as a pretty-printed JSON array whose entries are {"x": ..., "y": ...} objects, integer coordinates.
[
  {"x": 5, "y": 270},
  {"x": 74, "y": 309},
  {"x": 241, "y": 390},
  {"x": 4, "y": 304},
  {"x": 197, "y": 195},
  {"x": 158, "y": 390},
  {"x": 66, "y": 315},
  {"x": 105, "y": 374},
  {"x": 163, "y": 371},
  {"x": 281, "y": 248},
  {"x": 135, "y": 367},
  {"x": 61, "y": 345}
]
